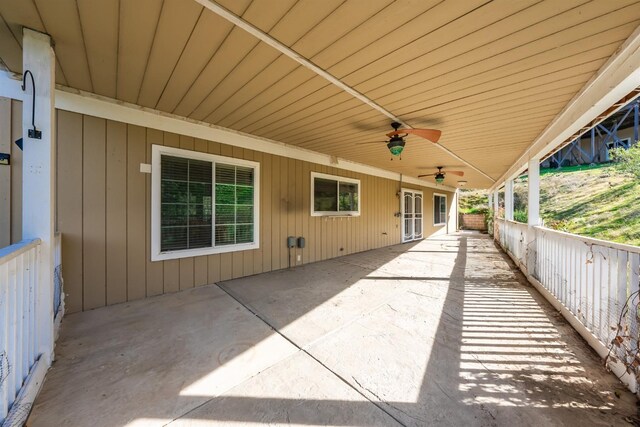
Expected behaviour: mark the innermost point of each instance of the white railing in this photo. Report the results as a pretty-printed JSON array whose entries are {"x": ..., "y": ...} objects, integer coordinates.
[
  {"x": 594, "y": 283},
  {"x": 18, "y": 342},
  {"x": 593, "y": 279},
  {"x": 58, "y": 294},
  {"x": 513, "y": 238}
]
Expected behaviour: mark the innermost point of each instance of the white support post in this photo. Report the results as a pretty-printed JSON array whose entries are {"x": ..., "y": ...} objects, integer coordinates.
[
  {"x": 534, "y": 193},
  {"x": 533, "y": 214},
  {"x": 38, "y": 176},
  {"x": 496, "y": 206},
  {"x": 508, "y": 200},
  {"x": 452, "y": 221}
]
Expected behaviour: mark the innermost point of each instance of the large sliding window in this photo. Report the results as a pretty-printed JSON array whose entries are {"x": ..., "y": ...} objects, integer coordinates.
[
  {"x": 439, "y": 209},
  {"x": 334, "y": 195},
  {"x": 202, "y": 204}
]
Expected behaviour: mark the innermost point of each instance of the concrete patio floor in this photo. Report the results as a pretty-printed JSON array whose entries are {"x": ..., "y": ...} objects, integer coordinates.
[{"x": 444, "y": 331}]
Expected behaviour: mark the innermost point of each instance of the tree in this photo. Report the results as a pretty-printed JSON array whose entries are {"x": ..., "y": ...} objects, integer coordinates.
[{"x": 627, "y": 160}]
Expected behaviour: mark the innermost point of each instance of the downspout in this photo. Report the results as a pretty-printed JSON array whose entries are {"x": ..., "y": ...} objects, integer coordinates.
[{"x": 399, "y": 197}]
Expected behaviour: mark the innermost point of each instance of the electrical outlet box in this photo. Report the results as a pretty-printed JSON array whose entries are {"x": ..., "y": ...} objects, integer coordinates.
[
  {"x": 301, "y": 242},
  {"x": 291, "y": 242}
]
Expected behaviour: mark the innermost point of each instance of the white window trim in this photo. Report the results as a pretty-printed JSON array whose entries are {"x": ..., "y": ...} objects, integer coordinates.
[
  {"x": 438, "y": 224},
  {"x": 339, "y": 179},
  {"x": 156, "y": 254}
]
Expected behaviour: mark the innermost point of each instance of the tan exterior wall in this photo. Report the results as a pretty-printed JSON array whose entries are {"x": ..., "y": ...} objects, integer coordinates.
[
  {"x": 103, "y": 213},
  {"x": 10, "y": 175}
]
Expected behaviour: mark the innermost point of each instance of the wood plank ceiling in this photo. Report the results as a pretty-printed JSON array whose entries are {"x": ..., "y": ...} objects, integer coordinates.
[{"x": 490, "y": 74}]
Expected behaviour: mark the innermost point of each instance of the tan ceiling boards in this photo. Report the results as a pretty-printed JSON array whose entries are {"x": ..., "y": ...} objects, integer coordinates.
[{"x": 490, "y": 74}]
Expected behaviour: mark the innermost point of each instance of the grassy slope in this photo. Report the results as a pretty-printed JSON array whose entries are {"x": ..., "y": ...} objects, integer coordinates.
[{"x": 596, "y": 202}]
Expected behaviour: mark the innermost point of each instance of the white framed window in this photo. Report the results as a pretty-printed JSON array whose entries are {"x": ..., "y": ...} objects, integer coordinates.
[
  {"x": 334, "y": 195},
  {"x": 202, "y": 204},
  {"x": 439, "y": 209}
]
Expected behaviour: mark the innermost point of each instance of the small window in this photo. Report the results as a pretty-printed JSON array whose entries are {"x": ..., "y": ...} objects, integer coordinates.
[
  {"x": 439, "y": 209},
  {"x": 334, "y": 195},
  {"x": 202, "y": 204}
]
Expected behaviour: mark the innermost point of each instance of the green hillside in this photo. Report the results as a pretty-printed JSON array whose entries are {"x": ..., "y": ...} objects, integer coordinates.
[{"x": 593, "y": 201}]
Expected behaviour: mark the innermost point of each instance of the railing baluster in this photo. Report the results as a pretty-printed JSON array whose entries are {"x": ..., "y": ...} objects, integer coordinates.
[
  {"x": 597, "y": 289},
  {"x": 634, "y": 274},
  {"x": 613, "y": 297},
  {"x": 18, "y": 282},
  {"x": 18, "y": 362},
  {"x": 33, "y": 271},
  {"x": 4, "y": 338}
]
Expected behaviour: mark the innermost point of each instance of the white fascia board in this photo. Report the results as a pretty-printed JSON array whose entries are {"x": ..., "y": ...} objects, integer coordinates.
[
  {"x": 618, "y": 77},
  {"x": 107, "y": 108}
]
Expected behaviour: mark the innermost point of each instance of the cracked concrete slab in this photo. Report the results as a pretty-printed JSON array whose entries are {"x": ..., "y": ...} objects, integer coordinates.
[{"x": 297, "y": 391}]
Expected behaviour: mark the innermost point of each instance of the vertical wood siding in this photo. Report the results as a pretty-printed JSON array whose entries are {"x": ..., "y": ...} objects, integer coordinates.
[{"x": 103, "y": 213}]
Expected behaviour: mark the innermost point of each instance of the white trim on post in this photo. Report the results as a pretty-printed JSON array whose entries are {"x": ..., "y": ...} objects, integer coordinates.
[
  {"x": 496, "y": 206},
  {"x": 38, "y": 175},
  {"x": 533, "y": 212},
  {"x": 533, "y": 199},
  {"x": 508, "y": 200}
]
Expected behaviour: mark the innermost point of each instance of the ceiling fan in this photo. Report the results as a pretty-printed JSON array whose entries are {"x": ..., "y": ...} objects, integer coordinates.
[
  {"x": 396, "y": 141},
  {"x": 439, "y": 176}
]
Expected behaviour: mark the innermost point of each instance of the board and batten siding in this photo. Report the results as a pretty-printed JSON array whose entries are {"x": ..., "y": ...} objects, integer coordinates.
[{"x": 104, "y": 201}]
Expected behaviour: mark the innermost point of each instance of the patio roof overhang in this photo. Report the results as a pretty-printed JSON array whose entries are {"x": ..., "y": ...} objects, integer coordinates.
[{"x": 500, "y": 79}]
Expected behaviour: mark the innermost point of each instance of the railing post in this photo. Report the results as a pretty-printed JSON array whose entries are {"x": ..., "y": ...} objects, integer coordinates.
[
  {"x": 38, "y": 174},
  {"x": 508, "y": 200},
  {"x": 533, "y": 213}
]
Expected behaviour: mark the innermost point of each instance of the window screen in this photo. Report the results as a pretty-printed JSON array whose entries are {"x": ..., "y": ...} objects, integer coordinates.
[
  {"x": 348, "y": 197},
  {"x": 439, "y": 209},
  {"x": 234, "y": 204},
  {"x": 185, "y": 203}
]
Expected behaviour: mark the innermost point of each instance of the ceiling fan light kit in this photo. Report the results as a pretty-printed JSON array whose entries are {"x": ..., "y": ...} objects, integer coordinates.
[
  {"x": 440, "y": 175},
  {"x": 396, "y": 141},
  {"x": 396, "y": 145}
]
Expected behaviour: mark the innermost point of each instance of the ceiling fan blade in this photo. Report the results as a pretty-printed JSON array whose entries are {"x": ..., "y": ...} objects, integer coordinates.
[
  {"x": 432, "y": 135},
  {"x": 429, "y": 174},
  {"x": 459, "y": 173}
]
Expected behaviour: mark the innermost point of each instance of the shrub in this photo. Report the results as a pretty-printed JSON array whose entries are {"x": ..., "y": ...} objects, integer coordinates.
[
  {"x": 627, "y": 161},
  {"x": 521, "y": 216}
]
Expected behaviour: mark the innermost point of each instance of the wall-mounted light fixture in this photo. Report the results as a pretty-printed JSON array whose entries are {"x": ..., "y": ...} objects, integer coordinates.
[{"x": 33, "y": 133}]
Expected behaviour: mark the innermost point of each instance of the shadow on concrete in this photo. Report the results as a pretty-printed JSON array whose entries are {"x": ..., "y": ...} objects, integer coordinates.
[{"x": 387, "y": 337}]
